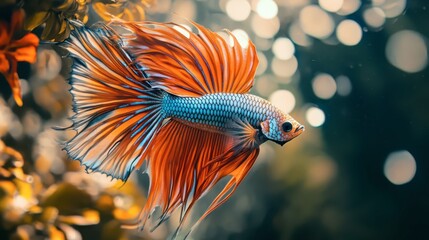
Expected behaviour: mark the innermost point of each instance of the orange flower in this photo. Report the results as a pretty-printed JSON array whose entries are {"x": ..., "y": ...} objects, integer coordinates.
[{"x": 14, "y": 50}]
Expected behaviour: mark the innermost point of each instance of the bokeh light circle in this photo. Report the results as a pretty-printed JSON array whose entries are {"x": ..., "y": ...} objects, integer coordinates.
[
  {"x": 241, "y": 36},
  {"x": 187, "y": 10},
  {"x": 283, "y": 100},
  {"x": 263, "y": 64},
  {"x": 283, "y": 48},
  {"x": 284, "y": 68},
  {"x": 265, "y": 85},
  {"x": 349, "y": 7},
  {"x": 344, "y": 85},
  {"x": 407, "y": 51},
  {"x": 374, "y": 17},
  {"x": 331, "y": 5},
  {"x": 392, "y": 8},
  {"x": 349, "y": 32},
  {"x": 316, "y": 22},
  {"x": 48, "y": 64},
  {"x": 315, "y": 116},
  {"x": 266, "y": 9},
  {"x": 298, "y": 36},
  {"x": 265, "y": 28},
  {"x": 400, "y": 167},
  {"x": 238, "y": 10},
  {"x": 324, "y": 86}
]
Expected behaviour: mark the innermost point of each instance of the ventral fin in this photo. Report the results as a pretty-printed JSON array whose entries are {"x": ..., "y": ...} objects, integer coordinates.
[{"x": 189, "y": 64}]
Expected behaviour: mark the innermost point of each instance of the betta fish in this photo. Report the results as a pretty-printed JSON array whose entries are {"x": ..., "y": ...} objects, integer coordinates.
[{"x": 173, "y": 100}]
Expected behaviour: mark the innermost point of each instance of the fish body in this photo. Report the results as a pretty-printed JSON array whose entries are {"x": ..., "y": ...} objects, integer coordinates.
[
  {"x": 217, "y": 111},
  {"x": 179, "y": 103}
]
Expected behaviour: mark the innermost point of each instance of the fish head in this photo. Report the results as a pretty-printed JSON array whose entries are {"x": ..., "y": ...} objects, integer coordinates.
[{"x": 281, "y": 129}]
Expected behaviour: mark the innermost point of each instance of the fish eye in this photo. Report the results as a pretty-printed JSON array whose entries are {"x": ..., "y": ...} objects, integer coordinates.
[{"x": 287, "y": 126}]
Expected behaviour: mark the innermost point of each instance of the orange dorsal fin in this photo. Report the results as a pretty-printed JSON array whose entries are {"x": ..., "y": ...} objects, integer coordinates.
[
  {"x": 189, "y": 64},
  {"x": 185, "y": 162}
]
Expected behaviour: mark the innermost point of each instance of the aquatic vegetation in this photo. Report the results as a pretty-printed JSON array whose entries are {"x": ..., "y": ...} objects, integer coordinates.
[
  {"x": 33, "y": 209},
  {"x": 55, "y": 16}
]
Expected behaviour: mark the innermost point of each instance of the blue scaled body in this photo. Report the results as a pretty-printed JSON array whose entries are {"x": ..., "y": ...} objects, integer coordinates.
[{"x": 217, "y": 110}]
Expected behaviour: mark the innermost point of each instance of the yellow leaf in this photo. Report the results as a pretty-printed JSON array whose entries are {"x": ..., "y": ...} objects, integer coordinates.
[
  {"x": 25, "y": 189},
  {"x": 7, "y": 188},
  {"x": 53, "y": 26},
  {"x": 69, "y": 232},
  {"x": 49, "y": 215},
  {"x": 69, "y": 199},
  {"x": 134, "y": 12},
  {"x": 34, "y": 20},
  {"x": 128, "y": 214},
  {"x": 105, "y": 203},
  {"x": 22, "y": 233},
  {"x": 63, "y": 33},
  {"x": 107, "y": 11},
  {"x": 55, "y": 234},
  {"x": 89, "y": 217}
]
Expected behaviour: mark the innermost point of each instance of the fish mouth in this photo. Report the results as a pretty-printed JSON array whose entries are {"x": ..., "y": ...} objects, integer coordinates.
[{"x": 301, "y": 127}]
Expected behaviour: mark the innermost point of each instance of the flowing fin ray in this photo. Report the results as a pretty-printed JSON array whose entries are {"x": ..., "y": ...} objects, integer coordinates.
[
  {"x": 116, "y": 110},
  {"x": 190, "y": 64},
  {"x": 185, "y": 162}
]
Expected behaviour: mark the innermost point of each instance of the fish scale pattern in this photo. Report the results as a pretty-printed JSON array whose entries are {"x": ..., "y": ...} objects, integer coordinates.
[{"x": 218, "y": 109}]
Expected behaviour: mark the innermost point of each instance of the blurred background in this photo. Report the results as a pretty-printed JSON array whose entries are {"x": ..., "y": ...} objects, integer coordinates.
[{"x": 354, "y": 72}]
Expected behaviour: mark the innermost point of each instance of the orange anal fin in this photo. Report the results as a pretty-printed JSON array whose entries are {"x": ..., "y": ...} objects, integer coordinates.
[
  {"x": 179, "y": 175},
  {"x": 244, "y": 162}
]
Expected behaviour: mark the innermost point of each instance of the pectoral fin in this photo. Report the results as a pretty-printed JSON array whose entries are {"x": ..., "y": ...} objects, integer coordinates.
[{"x": 245, "y": 135}]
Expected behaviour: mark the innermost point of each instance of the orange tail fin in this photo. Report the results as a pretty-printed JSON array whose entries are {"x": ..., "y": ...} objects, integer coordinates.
[{"x": 116, "y": 111}]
